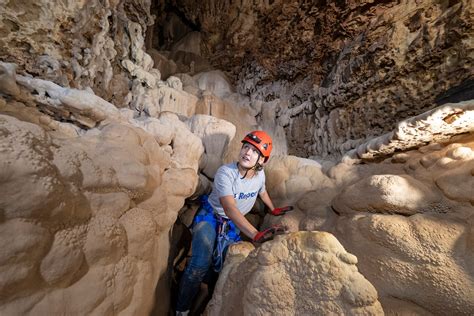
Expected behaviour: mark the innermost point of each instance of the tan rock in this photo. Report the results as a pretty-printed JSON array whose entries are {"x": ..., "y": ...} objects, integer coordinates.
[
  {"x": 165, "y": 98},
  {"x": 140, "y": 228},
  {"x": 291, "y": 177},
  {"x": 216, "y": 134},
  {"x": 238, "y": 114},
  {"x": 7, "y": 79},
  {"x": 167, "y": 67},
  {"x": 114, "y": 204},
  {"x": 215, "y": 82},
  {"x": 93, "y": 298},
  {"x": 23, "y": 245},
  {"x": 394, "y": 306},
  {"x": 300, "y": 273},
  {"x": 436, "y": 125},
  {"x": 187, "y": 147},
  {"x": 386, "y": 194},
  {"x": 461, "y": 153},
  {"x": 27, "y": 164},
  {"x": 106, "y": 255},
  {"x": 318, "y": 216},
  {"x": 78, "y": 105},
  {"x": 65, "y": 258},
  {"x": 105, "y": 242},
  {"x": 425, "y": 259},
  {"x": 458, "y": 184}
]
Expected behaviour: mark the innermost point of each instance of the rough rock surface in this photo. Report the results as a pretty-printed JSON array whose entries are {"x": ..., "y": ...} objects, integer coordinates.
[
  {"x": 85, "y": 220},
  {"x": 92, "y": 44},
  {"x": 408, "y": 219},
  {"x": 337, "y": 73},
  {"x": 432, "y": 248},
  {"x": 393, "y": 194},
  {"x": 95, "y": 143},
  {"x": 97, "y": 158},
  {"x": 216, "y": 134},
  {"x": 90, "y": 195},
  {"x": 425, "y": 259},
  {"x": 304, "y": 273},
  {"x": 435, "y": 126}
]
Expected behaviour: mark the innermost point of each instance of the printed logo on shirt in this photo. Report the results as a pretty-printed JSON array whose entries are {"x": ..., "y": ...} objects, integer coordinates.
[{"x": 244, "y": 196}]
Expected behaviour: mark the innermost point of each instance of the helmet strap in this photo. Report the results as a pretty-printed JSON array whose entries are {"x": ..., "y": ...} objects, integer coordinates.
[
  {"x": 258, "y": 166},
  {"x": 246, "y": 170},
  {"x": 245, "y": 174}
]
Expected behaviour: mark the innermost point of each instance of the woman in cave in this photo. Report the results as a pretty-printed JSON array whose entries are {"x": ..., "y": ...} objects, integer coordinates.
[{"x": 220, "y": 218}]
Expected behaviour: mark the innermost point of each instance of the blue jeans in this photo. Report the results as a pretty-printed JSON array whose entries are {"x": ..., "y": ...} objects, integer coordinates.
[{"x": 203, "y": 242}]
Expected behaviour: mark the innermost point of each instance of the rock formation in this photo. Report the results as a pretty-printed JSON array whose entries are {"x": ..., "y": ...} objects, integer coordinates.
[
  {"x": 85, "y": 218},
  {"x": 304, "y": 273},
  {"x": 336, "y": 74},
  {"x": 408, "y": 218},
  {"x": 99, "y": 155},
  {"x": 113, "y": 113}
]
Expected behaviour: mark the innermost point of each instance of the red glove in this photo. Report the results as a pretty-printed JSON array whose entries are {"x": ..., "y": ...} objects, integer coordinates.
[
  {"x": 279, "y": 211},
  {"x": 269, "y": 233}
]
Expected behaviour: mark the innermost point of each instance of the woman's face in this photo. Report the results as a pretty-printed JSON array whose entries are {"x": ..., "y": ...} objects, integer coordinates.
[{"x": 249, "y": 155}]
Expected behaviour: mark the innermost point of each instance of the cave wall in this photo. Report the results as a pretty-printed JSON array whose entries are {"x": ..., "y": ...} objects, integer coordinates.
[
  {"x": 333, "y": 74},
  {"x": 79, "y": 44},
  {"x": 85, "y": 220},
  {"x": 408, "y": 219},
  {"x": 98, "y": 155},
  {"x": 338, "y": 73},
  {"x": 86, "y": 129}
]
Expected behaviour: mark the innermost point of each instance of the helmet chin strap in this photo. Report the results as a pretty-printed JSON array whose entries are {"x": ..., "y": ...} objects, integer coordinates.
[{"x": 256, "y": 167}]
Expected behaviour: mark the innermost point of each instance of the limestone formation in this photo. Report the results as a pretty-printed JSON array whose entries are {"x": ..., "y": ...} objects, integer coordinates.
[
  {"x": 79, "y": 106},
  {"x": 425, "y": 259},
  {"x": 390, "y": 194},
  {"x": 336, "y": 74},
  {"x": 304, "y": 273},
  {"x": 85, "y": 220},
  {"x": 434, "y": 126},
  {"x": 238, "y": 115},
  {"x": 408, "y": 218},
  {"x": 112, "y": 113},
  {"x": 216, "y": 134},
  {"x": 80, "y": 45}
]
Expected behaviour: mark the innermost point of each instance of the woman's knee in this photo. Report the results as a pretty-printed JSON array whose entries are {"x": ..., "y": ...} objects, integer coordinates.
[{"x": 196, "y": 273}]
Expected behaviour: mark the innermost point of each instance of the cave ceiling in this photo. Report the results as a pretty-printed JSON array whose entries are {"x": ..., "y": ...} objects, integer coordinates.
[
  {"x": 292, "y": 40},
  {"x": 341, "y": 71}
]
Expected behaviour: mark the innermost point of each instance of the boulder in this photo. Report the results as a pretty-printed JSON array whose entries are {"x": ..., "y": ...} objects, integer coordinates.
[{"x": 304, "y": 273}]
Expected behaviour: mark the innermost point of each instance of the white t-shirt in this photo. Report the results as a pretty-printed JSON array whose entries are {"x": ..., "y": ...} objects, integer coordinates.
[{"x": 227, "y": 181}]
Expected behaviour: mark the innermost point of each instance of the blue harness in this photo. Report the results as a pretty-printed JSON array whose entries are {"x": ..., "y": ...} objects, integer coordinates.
[{"x": 226, "y": 231}]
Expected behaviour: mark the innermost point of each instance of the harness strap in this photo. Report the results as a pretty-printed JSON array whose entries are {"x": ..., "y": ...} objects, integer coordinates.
[
  {"x": 226, "y": 231},
  {"x": 227, "y": 235}
]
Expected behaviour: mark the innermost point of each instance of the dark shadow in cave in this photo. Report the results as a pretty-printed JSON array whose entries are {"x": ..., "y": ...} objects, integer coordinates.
[{"x": 459, "y": 93}]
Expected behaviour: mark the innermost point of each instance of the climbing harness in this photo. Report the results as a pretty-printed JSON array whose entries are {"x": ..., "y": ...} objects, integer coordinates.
[{"x": 227, "y": 232}]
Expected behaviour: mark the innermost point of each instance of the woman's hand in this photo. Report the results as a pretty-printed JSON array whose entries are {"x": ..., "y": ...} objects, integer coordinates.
[
  {"x": 279, "y": 211},
  {"x": 269, "y": 233}
]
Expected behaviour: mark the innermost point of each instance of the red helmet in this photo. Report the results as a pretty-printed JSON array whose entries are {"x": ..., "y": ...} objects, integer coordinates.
[{"x": 262, "y": 141}]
